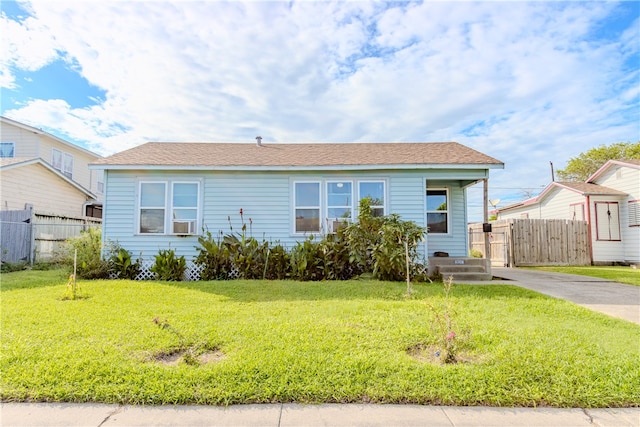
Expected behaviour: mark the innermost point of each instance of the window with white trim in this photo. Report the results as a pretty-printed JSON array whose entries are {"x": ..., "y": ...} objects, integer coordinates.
[
  {"x": 306, "y": 207},
  {"x": 607, "y": 221},
  {"x": 7, "y": 149},
  {"x": 153, "y": 201},
  {"x": 438, "y": 210},
  {"x": 169, "y": 208},
  {"x": 634, "y": 213},
  {"x": 63, "y": 162},
  {"x": 376, "y": 192},
  {"x": 184, "y": 214},
  {"x": 339, "y": 203}
]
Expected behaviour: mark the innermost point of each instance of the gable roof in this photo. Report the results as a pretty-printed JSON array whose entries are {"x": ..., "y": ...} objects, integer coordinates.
[
  {"x": 582, "y": 188},
  {"x": 47, "y": 134},
  {"x": 18, "y": 162},
  {"x": 165, "y": 155},
  {"x": 629, "y": 163}
]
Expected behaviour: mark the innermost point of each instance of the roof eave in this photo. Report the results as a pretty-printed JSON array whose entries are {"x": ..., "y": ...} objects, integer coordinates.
[{"x": 98, "y": 166}]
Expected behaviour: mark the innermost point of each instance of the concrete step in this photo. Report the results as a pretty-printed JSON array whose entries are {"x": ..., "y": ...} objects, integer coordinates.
[
  {"x": 456, "y": 261},
  {"x": 461, "y": 268}
]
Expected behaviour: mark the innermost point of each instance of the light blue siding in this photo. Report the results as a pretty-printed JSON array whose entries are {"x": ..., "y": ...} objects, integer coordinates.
[{"x": 266, "y": 201}]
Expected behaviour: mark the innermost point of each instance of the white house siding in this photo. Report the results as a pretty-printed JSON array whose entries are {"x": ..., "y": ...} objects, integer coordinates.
[
  {"x": 627, "y": 180},
  {"x": 26, "y": 143},
  {"x": 35, "y": 185},
  {"x": 81, "y": 159},
  {"x": 266, "y": 199},
  {"x": 29, "y": 144}
]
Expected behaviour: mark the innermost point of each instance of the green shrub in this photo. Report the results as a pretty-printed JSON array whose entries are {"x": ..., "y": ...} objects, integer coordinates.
[
  {"x": 9, "y": 267},
  {"x": 168, "y": 266},
  {"x": 336, "y": 262},
  {"x": 377, "y": 244},
  {"x": 277, "y": 263},
  {"x": 307, "y": 260},
  {"x": 89, "y": 261},
  {"x": 213, "y": 257},
  {"x": 121, "y": 264},
  {"x": 246, "y": 255}
]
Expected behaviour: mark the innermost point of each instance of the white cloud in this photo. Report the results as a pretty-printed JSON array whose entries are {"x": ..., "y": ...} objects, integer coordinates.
[{"x": 530, "y": 80}]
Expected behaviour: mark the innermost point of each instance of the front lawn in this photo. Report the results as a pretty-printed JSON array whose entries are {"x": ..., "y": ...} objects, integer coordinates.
[
  {"x": 305, "y": 342},
  {"x": 619, "y": 274}
]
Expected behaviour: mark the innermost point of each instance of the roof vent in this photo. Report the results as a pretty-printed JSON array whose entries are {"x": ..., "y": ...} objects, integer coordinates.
[{"x": 259, "y": 141}]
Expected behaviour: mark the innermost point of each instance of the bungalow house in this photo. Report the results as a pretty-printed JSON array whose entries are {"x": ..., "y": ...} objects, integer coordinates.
[
  {"x": 161, "y": 195},
  {"x": 609, "y": 201}
]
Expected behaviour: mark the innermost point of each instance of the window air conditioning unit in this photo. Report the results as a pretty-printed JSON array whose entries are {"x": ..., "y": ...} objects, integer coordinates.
[{"x": 184, "y": 227}]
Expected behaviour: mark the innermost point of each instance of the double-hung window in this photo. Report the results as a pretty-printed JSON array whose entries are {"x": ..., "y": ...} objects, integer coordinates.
[
  {"x": 339, "y": 203},
  {"x": 153, "y": 201},
  {"x": 184, "y": 216},
  {"x": 374, "y": 190},
  {"x": 7, "y": 149},
  {"x": 169, "y": 208},
  {"x": 62, "y": 162},
  {"x": 306, "y": 207},
  {"x": 438, "y": 210}
]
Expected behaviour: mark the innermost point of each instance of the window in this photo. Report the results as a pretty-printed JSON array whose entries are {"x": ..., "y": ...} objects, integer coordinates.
[
  {"x": 339, "y": 203},
  {"x": 437, "y": 211},
  {"x": 375, "y": 191},
  {"x": 577, "y": 211},
  {"x": 7, "y": 149},
  {"x": 607, "y": 221},
  {"x": 634, "y": 213},
  {"x": 182, "y": 204},
  {"x": 185, "y": 208},
  {"x": 152, "y": 207},
  {"x": 62, "y": 162},
  {"x": 306, "y": 207}
]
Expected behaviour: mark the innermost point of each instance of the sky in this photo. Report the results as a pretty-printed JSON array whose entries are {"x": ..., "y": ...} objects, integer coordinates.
[{"x": 528, "y": 83}]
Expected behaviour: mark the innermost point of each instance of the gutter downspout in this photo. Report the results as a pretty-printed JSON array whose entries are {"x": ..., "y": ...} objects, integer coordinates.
[{"x": 589, "y": 229}]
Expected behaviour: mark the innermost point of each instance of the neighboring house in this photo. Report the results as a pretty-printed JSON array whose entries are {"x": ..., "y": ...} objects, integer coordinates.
[
  {"x": 46, "y": 172},
  {"x": 162, "y": 195},
  {"x": 609, "y": 201}
]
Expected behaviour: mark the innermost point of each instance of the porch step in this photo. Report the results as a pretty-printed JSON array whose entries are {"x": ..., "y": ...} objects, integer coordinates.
[{"x": 461, "y": 268}]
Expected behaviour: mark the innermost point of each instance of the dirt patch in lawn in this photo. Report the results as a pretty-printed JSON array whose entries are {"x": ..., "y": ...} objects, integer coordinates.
[
  {"x": 188, "y": 356},
  {"x": 430, "y": 353}
]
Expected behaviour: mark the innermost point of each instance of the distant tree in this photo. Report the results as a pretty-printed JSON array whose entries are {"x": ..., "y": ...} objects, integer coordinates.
[{"x": 586, "y": 164}]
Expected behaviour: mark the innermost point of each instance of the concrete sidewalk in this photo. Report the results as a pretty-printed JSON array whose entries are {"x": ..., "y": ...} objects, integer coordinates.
[
  {"x": 282, "y": 415},
  {"x": 612, "y": 298}
]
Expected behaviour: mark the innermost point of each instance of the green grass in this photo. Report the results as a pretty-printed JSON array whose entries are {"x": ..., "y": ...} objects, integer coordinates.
[
  {"x": 306, "y": 342},
  {"x": 620, "y": 274}
]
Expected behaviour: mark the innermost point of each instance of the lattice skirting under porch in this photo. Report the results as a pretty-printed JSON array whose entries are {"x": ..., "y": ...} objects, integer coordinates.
[{"x": 191, "y": 274}]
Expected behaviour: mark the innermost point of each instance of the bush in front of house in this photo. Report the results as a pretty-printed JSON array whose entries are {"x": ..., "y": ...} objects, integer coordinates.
[
  {"x": 373, "y": 245},
  {"x": 87, "y": 251},
  {"x": 122, "y": 265},
  {"x": 168, "y": 266}
]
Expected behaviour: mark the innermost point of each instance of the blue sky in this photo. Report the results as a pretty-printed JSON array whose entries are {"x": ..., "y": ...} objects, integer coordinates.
[{"x": 525, "y": 82}]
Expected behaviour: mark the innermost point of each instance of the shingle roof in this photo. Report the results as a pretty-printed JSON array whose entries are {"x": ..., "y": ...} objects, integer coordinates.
[
  {"x": 181, "y": 155},
  {"x": 591, "y": 189}
]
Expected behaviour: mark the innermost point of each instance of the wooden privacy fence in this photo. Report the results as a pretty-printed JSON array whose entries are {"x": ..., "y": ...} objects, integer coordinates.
[
  {"x": 26, "y": 236},
  {"x": 534, "y": 242}
]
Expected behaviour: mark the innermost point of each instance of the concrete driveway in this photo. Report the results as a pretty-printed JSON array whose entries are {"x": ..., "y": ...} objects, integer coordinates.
[{"x": 612, "y": 298}]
